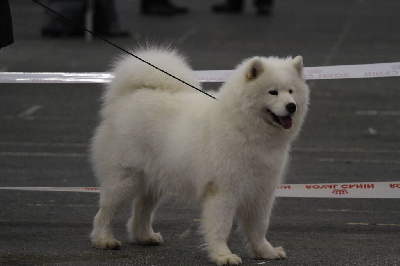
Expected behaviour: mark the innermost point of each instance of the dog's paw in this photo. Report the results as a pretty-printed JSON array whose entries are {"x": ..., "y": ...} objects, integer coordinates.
[
  {"x": 230, "y": 259},
  {"x": 275, "y": 254},
  {"x": 280, "y": 252},
  {"x": 153, "y": 239},
  {"x": 108, "y": 244}
]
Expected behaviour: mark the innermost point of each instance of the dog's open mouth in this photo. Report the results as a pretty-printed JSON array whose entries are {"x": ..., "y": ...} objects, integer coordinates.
[{"x": 284, "y": 121}]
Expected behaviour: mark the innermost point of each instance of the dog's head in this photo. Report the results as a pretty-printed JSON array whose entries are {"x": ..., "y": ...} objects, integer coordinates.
[{"x": 273, "y": 91}]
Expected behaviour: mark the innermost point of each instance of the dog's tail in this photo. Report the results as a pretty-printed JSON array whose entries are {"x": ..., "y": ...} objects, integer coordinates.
[{"x": 131, "y": 74}]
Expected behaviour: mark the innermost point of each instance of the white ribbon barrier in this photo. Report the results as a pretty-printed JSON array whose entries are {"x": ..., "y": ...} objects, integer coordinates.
[
  {"x": 372, "y": 190},
  {"x": 353, "y": 71},
  {"x": 55, "y": 77},
  {"x": 310, "y": 73},
  {"x": 55, "y": 189},
  {"x": 378, "y": 190}
]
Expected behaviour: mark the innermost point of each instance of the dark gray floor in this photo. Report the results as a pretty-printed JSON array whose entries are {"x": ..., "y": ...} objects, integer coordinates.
[{"x": 45, "y": 128}]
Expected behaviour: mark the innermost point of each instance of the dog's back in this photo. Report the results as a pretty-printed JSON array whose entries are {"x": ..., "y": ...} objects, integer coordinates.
[{"x": 131, "y": 74}]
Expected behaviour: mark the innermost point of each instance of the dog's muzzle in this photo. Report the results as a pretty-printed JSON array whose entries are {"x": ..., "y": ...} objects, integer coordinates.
[{"x": 284, "y": 121}]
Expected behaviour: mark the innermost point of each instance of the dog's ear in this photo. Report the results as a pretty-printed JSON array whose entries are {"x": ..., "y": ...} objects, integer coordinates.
[
  {"x": 297, "y": 63},
  {"x": 255, "y": 68}
]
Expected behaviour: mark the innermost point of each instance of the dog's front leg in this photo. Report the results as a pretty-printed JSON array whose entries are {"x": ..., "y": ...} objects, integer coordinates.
[
  {"x": 218, "y": 213},
  {"x": 255, "y": 221}
]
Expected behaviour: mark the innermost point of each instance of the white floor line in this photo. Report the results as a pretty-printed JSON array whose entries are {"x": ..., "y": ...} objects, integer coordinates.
[
  {"x": 370, "y": 161},
  {"x": 44, "y": 144},
  {"x": 377, "y": 113},
  {"x": 30, "y": 111},
  {"x": 339, "y": 42},
  {"x": 46, "y": 118},
  {"x": 345, "y": 150},
  {"x": 299, "y": 149},
  {"x": 356, "y": 211},
  {"x": 187, "y": 35},
  {"x": 41, "y": 154},
  {"x": 372, "y": 224}
]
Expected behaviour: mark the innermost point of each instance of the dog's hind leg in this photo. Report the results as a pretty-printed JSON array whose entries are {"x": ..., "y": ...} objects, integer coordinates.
[
  {"x": 115, "y": 192},
  {"x": 139, "y": 225},
  {"x": 255, "y": 221},
  {"x": 218, "y": 213}
]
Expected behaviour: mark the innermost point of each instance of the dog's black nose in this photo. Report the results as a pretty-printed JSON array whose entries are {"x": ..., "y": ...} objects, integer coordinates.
[{"x": 291, "y": 107}]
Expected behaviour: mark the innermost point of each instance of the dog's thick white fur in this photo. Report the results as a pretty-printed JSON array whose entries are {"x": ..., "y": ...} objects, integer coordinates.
[{"x": 159, "y": 137}]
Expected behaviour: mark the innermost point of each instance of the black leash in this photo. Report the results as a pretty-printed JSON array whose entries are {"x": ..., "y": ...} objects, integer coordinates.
[{"x": 120, "y": 48}]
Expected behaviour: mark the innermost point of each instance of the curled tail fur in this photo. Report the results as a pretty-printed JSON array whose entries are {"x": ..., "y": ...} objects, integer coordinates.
[{"x": 131, "y": 74}]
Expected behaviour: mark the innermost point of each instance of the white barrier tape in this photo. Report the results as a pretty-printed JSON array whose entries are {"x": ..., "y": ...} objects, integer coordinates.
[
  {"x": 353, "y": 71},
  {"x": 55, "y": 189},
  {"x": 341, "y": 190},
  {"x": 310, "y": 73},
  {"x": 55, "y": 77},
  {"x": 333, "y": 190}
]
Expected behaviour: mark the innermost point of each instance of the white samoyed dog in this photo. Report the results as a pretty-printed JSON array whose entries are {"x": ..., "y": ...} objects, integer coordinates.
[{"x": 159, "y": 137}]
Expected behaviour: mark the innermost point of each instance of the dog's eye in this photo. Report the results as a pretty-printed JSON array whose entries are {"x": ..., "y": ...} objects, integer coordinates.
[
  {"x": 290, "y": 91},
  {"x": 273, "y": 92}
]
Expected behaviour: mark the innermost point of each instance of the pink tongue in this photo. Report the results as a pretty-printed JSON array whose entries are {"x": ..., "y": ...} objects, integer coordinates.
[{"x": 286, "y": 121}]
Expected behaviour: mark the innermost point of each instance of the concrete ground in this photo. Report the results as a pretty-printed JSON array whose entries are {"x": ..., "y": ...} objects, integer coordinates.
[{"x": 45, "y": 129}]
